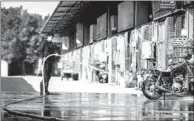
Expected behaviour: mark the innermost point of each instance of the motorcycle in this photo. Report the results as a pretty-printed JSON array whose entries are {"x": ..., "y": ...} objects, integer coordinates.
[{"x": 170, "y": 81}]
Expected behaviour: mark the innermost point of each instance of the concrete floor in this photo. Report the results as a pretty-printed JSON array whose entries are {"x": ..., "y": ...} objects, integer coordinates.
[
  {"x": 101, "y": 106},
  {"x": 110, "y": 105}
]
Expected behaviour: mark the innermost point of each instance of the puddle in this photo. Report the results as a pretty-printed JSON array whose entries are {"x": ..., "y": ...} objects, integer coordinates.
[{"x": 97, "y": 106}]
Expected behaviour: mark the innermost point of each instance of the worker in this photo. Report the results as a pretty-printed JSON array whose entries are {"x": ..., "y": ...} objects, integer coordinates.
[{"x": 46, "y": 48}]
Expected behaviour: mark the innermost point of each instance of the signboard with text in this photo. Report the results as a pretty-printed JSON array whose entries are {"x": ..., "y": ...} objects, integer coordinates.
[
  {"x": 167, "y": 4},
  {"x": 163, "y": 8}
]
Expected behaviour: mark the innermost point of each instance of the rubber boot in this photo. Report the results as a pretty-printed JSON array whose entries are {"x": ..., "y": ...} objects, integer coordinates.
[{"x": 41, "y": 88}]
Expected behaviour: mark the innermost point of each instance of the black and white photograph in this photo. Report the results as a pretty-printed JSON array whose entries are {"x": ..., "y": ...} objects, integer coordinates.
[{"x": 97, "y": 60}]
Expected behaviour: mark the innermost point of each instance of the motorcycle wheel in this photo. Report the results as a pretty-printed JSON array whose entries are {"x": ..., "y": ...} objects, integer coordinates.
[{"x": 149, "y": 90}]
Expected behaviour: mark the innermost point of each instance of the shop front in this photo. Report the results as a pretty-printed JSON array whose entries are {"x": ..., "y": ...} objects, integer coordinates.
[{"x": 125, "y": 38}]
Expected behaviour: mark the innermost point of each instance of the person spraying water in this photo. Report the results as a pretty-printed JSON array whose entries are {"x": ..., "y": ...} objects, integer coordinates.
[
  {"x": 46, "y": 50},
  {"x": 46, "y": 74}
]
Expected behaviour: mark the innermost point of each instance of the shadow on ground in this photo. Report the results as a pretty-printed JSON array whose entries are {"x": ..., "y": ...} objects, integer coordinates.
[{"x": 16, "y": 84}]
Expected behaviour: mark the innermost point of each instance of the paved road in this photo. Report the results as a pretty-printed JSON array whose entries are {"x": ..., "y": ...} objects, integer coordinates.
[
  {"x": 32, "y": 84},
  {"x": 101, "y": 106},
  {"x": 84, "y": 101}
]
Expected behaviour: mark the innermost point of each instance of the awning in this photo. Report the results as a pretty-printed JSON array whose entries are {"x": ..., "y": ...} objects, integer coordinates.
[{"x": 62, "y": 17}]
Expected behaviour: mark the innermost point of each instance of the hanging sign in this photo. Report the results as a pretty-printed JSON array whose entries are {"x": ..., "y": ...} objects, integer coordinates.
[
  {"x": 163, "y": 8},
  {"x": 167, "y": 4}
]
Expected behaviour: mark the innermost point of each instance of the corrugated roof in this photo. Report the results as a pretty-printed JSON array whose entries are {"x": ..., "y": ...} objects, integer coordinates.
[{"x": 62, "y": 15}]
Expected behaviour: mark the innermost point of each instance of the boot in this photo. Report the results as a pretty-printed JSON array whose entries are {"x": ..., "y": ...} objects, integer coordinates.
[
  {"x": 46, "y": 89},
  {"x": 41, "y": 88},
  {"x": 47, "y": 93}
]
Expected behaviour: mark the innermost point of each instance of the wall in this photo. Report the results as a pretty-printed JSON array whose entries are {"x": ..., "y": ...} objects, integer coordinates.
[{"x": 4, "y": 68}]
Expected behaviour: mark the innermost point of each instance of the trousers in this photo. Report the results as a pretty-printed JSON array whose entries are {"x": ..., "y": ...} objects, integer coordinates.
[{"x": 47, "y": 75}]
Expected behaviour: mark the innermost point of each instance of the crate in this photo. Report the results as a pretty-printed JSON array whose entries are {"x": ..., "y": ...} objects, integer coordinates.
[
  {"x": 181, "y": 42},
  {"x": 180, "y": 48}
]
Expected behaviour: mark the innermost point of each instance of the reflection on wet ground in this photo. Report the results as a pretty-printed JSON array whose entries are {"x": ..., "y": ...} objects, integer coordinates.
[{"x": 101, "y": 106}]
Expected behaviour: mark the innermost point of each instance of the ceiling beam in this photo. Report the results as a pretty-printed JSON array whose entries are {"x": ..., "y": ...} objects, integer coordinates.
[
  {"x": 54, "y": 20},
  {"x": 51, "y": 23}
]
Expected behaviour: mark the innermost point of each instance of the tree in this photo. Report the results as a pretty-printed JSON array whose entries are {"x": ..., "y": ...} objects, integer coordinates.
[{"x": 20, "y": 35}]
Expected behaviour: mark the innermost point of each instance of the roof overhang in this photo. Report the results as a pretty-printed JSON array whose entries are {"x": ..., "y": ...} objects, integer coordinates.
[{"x": 62, "y": 16}]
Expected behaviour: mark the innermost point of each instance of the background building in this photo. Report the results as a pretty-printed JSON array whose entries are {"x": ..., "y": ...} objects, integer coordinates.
[{"x": 124, "y": 36}]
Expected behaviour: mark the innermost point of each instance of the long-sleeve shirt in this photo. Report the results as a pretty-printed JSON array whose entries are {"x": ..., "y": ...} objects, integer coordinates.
[
  {"x": 46, "y": 48},
  {"x": 40, "y": 49}
]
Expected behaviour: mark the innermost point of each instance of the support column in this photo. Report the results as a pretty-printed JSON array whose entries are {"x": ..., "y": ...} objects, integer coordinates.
[
  {"x": 108, "y": 22},
  {"x": 109, "y": 48},
  {"x": 110, "y": 61},
  {"x": 165, "y": 43}
]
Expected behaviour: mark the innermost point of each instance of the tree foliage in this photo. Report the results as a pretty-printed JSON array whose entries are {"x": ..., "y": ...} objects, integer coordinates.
[
  {"x": 20, "y": 34},
  {"x": 20, "y": 37}
]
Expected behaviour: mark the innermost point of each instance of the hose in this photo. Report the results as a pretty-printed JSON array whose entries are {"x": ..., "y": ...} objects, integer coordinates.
[
  {"x": 44, "y": 60},
  {"x": 17, "y": 113}
]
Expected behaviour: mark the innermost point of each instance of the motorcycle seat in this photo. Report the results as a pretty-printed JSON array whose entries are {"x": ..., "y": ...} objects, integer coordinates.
[{"x": 165, "y": 73}]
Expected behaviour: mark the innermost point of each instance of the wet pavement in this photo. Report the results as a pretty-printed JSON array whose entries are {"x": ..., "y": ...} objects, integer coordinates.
[{"x": 100, "y": 106}]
